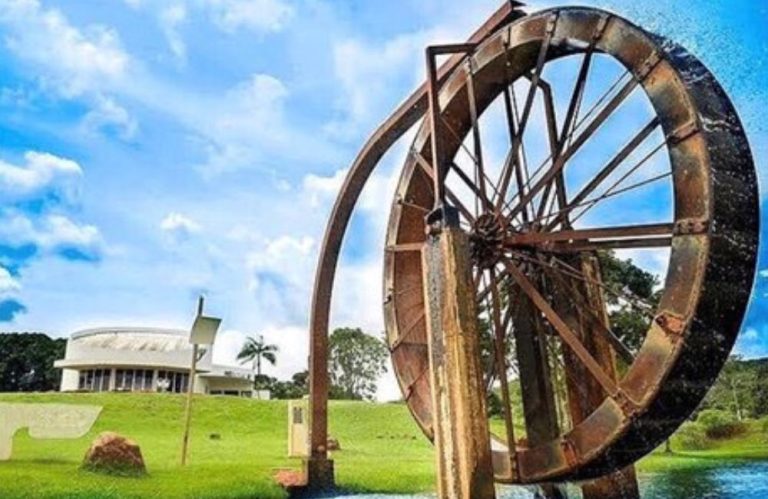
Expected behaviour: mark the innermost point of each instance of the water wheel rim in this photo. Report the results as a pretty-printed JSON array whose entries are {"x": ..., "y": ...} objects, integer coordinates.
[{"x": 713, "y": 245}]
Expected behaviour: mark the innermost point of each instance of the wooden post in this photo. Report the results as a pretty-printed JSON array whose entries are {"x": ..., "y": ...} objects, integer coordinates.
[
  {"x": 190, "y": 390},
  {"x": 537, "y": 393},
  {"x": 584, "y": 393},
  {"x": 462, "y": 439}
]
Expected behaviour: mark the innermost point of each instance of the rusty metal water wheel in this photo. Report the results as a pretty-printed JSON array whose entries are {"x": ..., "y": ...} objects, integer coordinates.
[{"x": 535, "y": 263}]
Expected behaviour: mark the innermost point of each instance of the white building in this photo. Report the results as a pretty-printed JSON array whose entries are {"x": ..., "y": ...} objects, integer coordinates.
[{"x": 144, "y": 360}]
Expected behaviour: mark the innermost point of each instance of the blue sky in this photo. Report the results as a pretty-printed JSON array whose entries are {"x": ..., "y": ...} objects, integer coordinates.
[{"x": 154, "y": 150}]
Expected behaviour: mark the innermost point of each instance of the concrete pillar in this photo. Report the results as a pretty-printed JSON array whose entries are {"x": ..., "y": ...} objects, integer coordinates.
[{"x": 462, "y": 439}]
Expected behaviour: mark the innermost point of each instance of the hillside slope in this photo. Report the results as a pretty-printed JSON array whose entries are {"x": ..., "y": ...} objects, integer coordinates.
[
  {"x": 386, "y": 448},
  {"x": 382, "y": 449}
]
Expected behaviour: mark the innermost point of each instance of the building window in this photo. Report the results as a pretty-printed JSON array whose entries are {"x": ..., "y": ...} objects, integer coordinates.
[
  {"x": 94, "y": 380},
  {"x": 172, "y": 381},
  {"x": 143, "y": 380}
]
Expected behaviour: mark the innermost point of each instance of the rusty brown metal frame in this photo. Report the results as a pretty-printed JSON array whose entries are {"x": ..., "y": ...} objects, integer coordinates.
[
  {"x": 406, "y": 115},
  {"x": 713, "y": 239},
  {"x": 709, "y": 235}
]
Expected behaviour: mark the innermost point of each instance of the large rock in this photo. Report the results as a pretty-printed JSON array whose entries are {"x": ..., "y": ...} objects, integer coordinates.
[{"x": 115, "y": 455}]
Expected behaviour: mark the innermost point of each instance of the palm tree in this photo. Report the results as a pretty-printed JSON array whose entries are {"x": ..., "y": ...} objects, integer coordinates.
[{"x": 254, "y": 349}]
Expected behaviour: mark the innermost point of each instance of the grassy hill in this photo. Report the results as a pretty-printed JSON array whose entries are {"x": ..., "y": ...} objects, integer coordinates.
[{"x": 382, "y": 449}]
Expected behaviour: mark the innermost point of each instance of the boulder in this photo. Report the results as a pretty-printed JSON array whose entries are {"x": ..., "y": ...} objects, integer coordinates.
[{"x": 114, "y": 454}]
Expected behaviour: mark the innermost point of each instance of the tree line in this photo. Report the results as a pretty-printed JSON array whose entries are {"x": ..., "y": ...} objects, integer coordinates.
[
  {"x": 356, "y": 360},
  {"x": 26, "y": 362}
]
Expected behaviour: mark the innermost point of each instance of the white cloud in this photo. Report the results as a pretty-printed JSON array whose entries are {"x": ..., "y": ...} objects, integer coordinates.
[
  {"x": 261, "y": 16},
  {"x": 41, "y": 173},
  {"x": 107, "y": 114},
  {"x": 179, "y": 226},
  {"x": 249, "y": 115},
  {"x": 170, "y": 18},
  {"x": 8, "y": 284},
  {"x": 750, "y": 334},
  {"x": 70, "y": 60},
  {"x": 366, "y": 73},
  {"x": 245, "y": 127},
  {"x": 321, "y": 189},
  {"x": 763, "y": 273},
  {"x": 53, "y": 184},
  {"x": 59, "y": 233},
  {"x": 374, "y": 76},
  {"x": 52, "y": 234}
]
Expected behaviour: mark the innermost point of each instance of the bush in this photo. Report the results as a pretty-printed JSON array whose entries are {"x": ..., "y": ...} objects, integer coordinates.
[
  {"x": 720, "y": 424},
  {"x": 495, "y": 405},
  {"x": 692, "y": 436}
]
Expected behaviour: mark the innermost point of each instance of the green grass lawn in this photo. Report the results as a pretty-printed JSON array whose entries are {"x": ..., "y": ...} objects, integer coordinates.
[
  {"x": 382, "y": 449},
  {"x": 751, "y": 445}
]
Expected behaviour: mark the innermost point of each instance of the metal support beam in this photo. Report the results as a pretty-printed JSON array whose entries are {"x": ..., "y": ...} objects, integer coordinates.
[
  {"x": 462, "y": 438},
  {"x": 402, "y": 119}
]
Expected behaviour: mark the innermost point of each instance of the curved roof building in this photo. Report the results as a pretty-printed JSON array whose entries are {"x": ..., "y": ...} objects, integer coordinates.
[{"x": 144, "y": 359}]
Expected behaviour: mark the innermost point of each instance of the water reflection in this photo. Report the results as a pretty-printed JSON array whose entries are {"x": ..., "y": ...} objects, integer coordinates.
[
  {"x": 701, "y": 483},
  {"x": 743, "y": 480}
]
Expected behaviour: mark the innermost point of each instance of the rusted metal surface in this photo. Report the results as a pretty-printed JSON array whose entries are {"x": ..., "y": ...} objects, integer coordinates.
[
  {"x": 524, "y": 234},
  {"x": 409, "y": 112},
  {"x": 712, "y": 235},
  {"x": 584, "y": 395},
  {"x": 462, "y": 439}
]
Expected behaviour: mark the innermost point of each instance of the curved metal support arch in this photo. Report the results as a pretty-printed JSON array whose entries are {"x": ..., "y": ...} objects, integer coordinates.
[{"x": 402, "y": 119}]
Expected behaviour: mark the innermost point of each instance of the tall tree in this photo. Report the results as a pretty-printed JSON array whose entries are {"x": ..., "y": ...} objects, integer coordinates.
[
  {"x": 26, "y": 362},
  {"x": 627, "y": 322},
  {"x": 254, "y": 350},
  {"x": 760, "y": 392},
  {"x": 357, "y": 361}
]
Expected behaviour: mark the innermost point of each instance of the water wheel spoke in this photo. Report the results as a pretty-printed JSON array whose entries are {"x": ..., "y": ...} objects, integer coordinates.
[
  {"x": 559, "y": 265},
  {"x": 512, "y": 160},
  {"x": 506, "y": 174},
  {"x": 501, "y": 364},
  {"x": 566, "y": 333},
  {"x": 559, "y": 162},
  {"x": 578, "y": 235},
  {"x": 479, "y": 167},
  {"x": 449, "y": 194},
  {"x": 554, "y": 146},
  {"x": 576, "y": 96},
  {"x": 611, "y": 244},
  {"x": 610, "y": 167},
  {"x": 499, "y": 278},
  {"x": 613, "y": 193},
  {"x": 638, "y": 303},
  {"x": 472, "y": 185},
  {"x": 581, "y": 303}
]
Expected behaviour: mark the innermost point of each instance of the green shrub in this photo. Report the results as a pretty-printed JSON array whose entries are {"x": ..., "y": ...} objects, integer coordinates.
[
  {"x": 763, "y": 425},
  {"x": 495, "y": 405},
  {"x": 691, "y": 436},
  {"x": 720, "y": 424}
]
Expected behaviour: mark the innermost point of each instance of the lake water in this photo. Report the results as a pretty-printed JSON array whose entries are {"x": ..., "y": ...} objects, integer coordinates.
[{"x": 743, "y": 480}]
